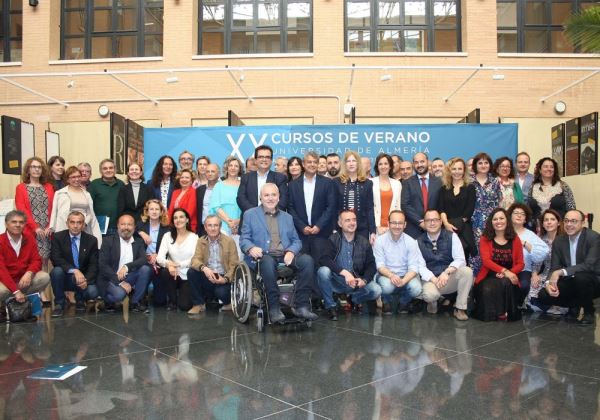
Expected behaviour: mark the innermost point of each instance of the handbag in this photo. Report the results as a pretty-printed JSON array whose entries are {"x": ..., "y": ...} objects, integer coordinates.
[{"x": 18, "y": 311}]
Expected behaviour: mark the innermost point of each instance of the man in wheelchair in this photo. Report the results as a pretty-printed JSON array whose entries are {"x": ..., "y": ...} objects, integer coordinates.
[{"x": 269, "y": 234}]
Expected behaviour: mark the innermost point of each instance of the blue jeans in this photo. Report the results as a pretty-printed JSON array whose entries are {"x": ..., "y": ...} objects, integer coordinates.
[
  {"x": 62, "y": 282},
  {"x": 203, "y": 289},
  {"x": 138, "y": 280},
  {"x": 332, "y": 282},
  {"x": 407, "y": 292}
]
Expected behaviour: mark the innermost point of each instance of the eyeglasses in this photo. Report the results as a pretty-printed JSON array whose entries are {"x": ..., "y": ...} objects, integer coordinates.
[
  {"x": 186, "y": 158},
  {"x": 572, "y": 221},
  {"x": 396, "y": 223},
  {"x": 432, "y": 220},
  {"x": 35, "y": 167},
  {"x": 264, "y": 157},
  {"x": 75, "y": 177}
]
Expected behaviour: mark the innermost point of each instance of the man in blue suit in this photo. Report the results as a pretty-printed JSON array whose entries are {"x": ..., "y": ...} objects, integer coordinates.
[
  {"x": 268, "y": 234},
  {"x": 251, "y": 182},
  {"x": 312, "y": 204},
  {"x": 419, "y": 193}
]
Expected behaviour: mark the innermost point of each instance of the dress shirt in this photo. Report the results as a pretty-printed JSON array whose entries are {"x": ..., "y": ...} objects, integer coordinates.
[
  {"x": 539, "y": 249},
  {"x": 126, "y": 252},
  {"x": 399, "y": 256},
  {"x": 260, "y": 181},
  {"x": 214, "y": 256},
  {"x": 309, "y": 194},
  {"x": 573, "y": 248},
  {"x": 206, "y": 203},
  {"x": 78, "y": 245}
]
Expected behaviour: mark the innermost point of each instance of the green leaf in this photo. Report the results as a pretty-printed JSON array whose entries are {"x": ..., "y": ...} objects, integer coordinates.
[{"x": 583, "y": 29}]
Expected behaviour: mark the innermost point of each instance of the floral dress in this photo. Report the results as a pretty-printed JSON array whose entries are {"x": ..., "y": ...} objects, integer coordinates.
[
  {"x": 39, "y": 208},
  {"x": 487, "y": 198}
]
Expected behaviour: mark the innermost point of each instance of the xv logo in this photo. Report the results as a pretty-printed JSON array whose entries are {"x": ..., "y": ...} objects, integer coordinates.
[{"x": 235, "y": 145}]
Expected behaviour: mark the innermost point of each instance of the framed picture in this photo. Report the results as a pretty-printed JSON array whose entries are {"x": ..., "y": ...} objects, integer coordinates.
[
  {"x": 52, "y": 144},
  {"x": 118, "y": 133},
  {"x": 588, "y": 144},
  {"x": 572, "y": 147},
  {"x": 135, "y": 143},
  {"x": 558, "y": 147}
]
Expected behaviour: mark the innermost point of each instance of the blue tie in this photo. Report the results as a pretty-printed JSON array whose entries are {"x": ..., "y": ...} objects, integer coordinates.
[{"x": 75, "y": 251}]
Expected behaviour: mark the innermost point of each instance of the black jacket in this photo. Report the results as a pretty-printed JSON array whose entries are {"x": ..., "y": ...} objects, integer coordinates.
[
  {"x": 587, "y": 254},
  {"x": 110, "y": 254},
  {"x": 247, "y": 196},
  {"x": 362, "y": 256},
  {"x": 126, "y": 202},
  {"x": 62, "y": 256}
]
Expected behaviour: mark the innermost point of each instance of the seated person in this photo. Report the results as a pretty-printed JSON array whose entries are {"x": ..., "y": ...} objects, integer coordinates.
[
  {"x": 397, "y": 258},
  {"x": 269, "y": 234},
  {"x": 212, "y": 266},
  {"x": 75, "y": 258},
  {"x": 123, "y": 266},
  {"x": 444, "y": 269},
  {"x": 20, "y": 261},
  {"x": 574, "y": 279},
  {"x": 347, "y": 266}
]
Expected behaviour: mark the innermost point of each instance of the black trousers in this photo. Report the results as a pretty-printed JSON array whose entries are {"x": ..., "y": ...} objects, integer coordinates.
[
  {"x": 578, "y": 291},
  {"x": 178, "y": 290}
]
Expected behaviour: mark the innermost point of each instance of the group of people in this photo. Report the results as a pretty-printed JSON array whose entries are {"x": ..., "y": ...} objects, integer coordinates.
[{"x": 488, "y": 235}]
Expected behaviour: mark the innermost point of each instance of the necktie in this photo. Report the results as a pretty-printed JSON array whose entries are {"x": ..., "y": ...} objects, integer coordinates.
[
  {"x": 424, "y": 192},
  {"x": 75, "y": 251}
]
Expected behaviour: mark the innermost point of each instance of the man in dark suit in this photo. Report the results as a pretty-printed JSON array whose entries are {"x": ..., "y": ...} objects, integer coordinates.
[
  {"x": 574, "y": 279},
  {"x": 123, "y": 266},
  {"x": 74, "y": 255},
  {"x": 251, "y": 182},
  {"x": 203, "y": 193},
  {"x": 419, "y": 193},
  {"x": 312, "y": 204}
]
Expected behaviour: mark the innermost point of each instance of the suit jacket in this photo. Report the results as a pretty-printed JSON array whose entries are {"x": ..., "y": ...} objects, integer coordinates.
[
  {"x": 126, "y": 202},
  {"x": 62, "y": 255},
  {"x": 256, "y": 233},
  {"x": 323, "y": 210},
  {"x": 22, "y": 203},
  {"x": 200, "y": 191},
  {"x": 156, "y": 191},
  {"x": 587, "y": 254},
  {"x": 412, "y": 202},
  {"x": 527, "y": 183},
  {"x": 247, "y": 196},
  {"x": 145, "y": 227},
  {"x": 365, "y": 214},
  {"x": 110, "y": 254}
]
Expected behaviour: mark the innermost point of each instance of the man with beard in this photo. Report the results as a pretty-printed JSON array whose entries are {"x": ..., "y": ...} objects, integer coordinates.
[{"x": 333, "y": 165}]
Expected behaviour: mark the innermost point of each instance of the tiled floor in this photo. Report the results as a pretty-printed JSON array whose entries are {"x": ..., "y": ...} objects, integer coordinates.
[{"x": 169, "y": 365}]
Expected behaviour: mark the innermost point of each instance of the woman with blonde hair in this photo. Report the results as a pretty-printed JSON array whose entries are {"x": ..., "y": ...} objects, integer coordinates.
[
  {"x": 456, "y": 203},
  {"x": 223, "y": 198},
  {"x": 355, "y": 192},
  {"x": 70, "y": 198}
]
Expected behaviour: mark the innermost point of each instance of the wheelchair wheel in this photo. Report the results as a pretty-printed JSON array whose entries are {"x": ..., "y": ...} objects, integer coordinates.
[
  {"x": 260, "y": 320},
  {"x": 241, "y": 292}
]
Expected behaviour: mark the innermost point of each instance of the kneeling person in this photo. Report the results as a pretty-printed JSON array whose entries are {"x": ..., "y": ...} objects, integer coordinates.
[
  {"x": 443, "y": 269},
  {"x": 74, "y": 255},
  {"x": 123, "y": 266},
  {"x": 347, "y": 266},
  {"x": 212, "y": 266},
  {"x": 269, "y": 234}
]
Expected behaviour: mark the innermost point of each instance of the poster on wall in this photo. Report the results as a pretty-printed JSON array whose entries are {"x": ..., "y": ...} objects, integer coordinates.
[
  {"x": 572, "y": 147},
  {"x": 588, "y": 140},
  {"x": 11, "y": 145},
  {"x": 118, "y": 133},
  {"x": 52, "y": 144},
  {"x": 135, "y": 143},
  {"x": 27, "y": 141},
  {"x": 558, "y": 147}
]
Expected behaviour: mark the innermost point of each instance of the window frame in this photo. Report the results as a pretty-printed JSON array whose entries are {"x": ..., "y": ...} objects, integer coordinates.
[
  {"x": 113, "y": 32},
  {"x": 282, "y": 29},
  {"x": 5, "y": 37},
  {"x": 429, "y": 27}
]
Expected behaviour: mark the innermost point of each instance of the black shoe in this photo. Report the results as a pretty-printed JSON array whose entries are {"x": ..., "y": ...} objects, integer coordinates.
[
  {"x": 356, "y": 308},
  {"x": 171, "y": 307},
  {"x": 276, "y": 316},
  {"x": 386, "y": 309},
  {"x": 109, "y": 307},
  {"x": 305, "y": 313},
  {"x": 138, "y": 307},
  {"x": 572, "y": 315},
  {"x": 332, "y": 314},
  {"x": 80, "y": 306},
  {"x": 404, "y": 309},
  {"x": 57, "y": 312},
  {"x": 587, "y": 319}
]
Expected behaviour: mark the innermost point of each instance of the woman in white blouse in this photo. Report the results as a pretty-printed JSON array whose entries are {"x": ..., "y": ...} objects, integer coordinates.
[
  {"x": 174, "y": 256},
  {"x": 386, "y": 192}
]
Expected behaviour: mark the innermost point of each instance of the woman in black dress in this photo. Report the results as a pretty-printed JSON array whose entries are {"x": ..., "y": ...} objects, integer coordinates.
[{"x": 457, "y": 203}]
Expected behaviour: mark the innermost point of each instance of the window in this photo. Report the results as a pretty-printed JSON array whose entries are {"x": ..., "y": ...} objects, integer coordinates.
[
  {"x": 11, "y": 30},
  {"x": 111, "y": 28},
  {"x": 535, "y": 26},
  {"x": 402, "y": 25},
  {"x": 255, "y": 26}
]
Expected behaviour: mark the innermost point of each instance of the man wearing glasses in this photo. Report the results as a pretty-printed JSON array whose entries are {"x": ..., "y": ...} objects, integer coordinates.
[
  {"x": 443, "y": 267},
  {"x": 397, "y": 258},
  {"x": 252, "y": 182},
  {"x": 574, "y": 279}
]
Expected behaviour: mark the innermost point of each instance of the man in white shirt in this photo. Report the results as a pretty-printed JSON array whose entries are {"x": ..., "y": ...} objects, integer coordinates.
[
  {"x": 443, "y": 268},
  {"x": 123, "y": 266},
  {"x": 397, "y": 258}
]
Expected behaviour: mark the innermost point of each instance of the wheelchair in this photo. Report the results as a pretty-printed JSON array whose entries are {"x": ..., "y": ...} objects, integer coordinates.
[{"x": 248, "y": 295}]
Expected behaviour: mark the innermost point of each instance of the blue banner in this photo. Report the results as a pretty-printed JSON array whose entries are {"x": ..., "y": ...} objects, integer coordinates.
[{"x": 437, "y": 140}]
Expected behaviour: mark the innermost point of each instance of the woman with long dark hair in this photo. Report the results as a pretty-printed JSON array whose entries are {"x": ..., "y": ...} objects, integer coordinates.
[
  {"x": 295, "y": 169},
  {"x": 56, "y": 164},
  {"x": 496, "y": 288},
  {"x": 548, "y": 191},
  {"x": 386, "y": 192},
  {"x": 175, "y": 256},
  {"x": 164, "y": 179}
]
